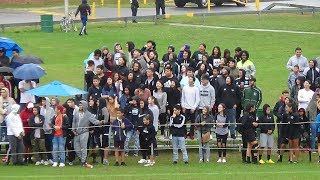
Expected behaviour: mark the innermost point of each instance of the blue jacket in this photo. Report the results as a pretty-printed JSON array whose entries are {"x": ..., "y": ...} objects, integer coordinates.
[
  {"x": 317, "y": 121},
  {"x": 119, "y": 133}
]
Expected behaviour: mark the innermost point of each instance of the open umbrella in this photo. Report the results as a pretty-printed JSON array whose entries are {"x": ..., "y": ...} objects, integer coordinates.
[
  {"x": 6, "y": 70},
  {"x": 9, "y": 45},
  {"x": 28, "y": 72},
  {"x": 56, "y": 88},
  {"x": 27, "y": 59}
]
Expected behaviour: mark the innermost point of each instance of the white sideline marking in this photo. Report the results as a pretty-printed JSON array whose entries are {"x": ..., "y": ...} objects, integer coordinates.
[
  {"x": 244, "y": 29},
  {"x": 161, "y": 174}
]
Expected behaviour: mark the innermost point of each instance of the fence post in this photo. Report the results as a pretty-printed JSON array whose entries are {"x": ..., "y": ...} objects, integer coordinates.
[
  {"x": 203, "y": 19},
  {"x": 119, "y": 8},
  {"x": 93, "y": 11},
  {"x": 2, "y": 27}
]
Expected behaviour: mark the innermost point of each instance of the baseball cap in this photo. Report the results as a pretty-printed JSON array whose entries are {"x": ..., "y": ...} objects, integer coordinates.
[{"x": 30, "y": 105}]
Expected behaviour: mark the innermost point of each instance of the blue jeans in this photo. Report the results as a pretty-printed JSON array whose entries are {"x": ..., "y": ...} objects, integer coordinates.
[
  {"x": 132, "y": 134},
  {"x": 3, "y": 132},
  {"x": 314, "y": 131},
  {"x": 84, "y": 20},
  {"x": 58, "y": 151},
  {"x": 205, "y": 147},
  {"x": 179, "y": 142},
  {"x": 231, "y": 118}
]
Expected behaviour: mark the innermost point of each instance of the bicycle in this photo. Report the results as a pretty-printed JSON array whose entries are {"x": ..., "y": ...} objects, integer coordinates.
[{"x": 67, "y": 23}]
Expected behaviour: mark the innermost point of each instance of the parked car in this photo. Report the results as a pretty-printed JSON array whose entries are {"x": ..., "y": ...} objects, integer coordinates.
[{"x": 204, "y": 3}]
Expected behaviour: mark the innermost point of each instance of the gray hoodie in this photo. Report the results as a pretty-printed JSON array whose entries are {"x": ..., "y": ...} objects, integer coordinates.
[
  {"x": 207, "y": 96},
  {"x": 81, "y": 124},
  {"x": 48, "y": 113},
  {"x": 312, "y": 110}
]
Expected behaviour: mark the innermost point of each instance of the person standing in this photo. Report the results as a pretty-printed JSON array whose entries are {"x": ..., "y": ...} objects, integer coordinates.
[
  {"x": 230, "y": 95},
  {"x": 134, "y": 9},
  {"x": 246, "y": 64},
  {"x": 190, "y": 100},
  {"x": 249, "y": 132},
  {"x": 251, "y": 94},
  {"x": 81, "y": 121},
  {"x": 266, "y": 136},
  {"x": 24, "y": 86},
  {"x": 119, "y": 128},
  {"x": 207, "y": 93},
  {"x": 297, "y": 59},
  {"x": 48, "y": 113},
  {"x": 160, "y": 4},
  {"x": 37, "y": 135},
  {"x": 305, "y": 95},
  {"x": 178, "y": 129},
  {"x": 84, "y": 10},
  {"x": 15, "y": 135},
  {"x": 60, "y": 125},
  {"x": 204, "y": 121},
  {"x": 5, "y": 107}
]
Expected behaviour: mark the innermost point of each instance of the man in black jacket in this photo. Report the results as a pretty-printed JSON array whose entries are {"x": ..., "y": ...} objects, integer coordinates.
[
  {"x": 230, "y": 95},
  {"x": 178, "y": 129},
  {"x": 134, "y": 9},
  {"x": 84, "y": 10}
]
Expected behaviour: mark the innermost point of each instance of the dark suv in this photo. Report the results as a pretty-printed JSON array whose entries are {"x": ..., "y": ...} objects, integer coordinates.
[{"x": 204, "y": 3}]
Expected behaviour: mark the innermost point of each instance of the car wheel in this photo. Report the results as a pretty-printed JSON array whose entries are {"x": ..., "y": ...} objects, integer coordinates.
[
  {"x": 241, "y": 4},
  {"x": 180, "y": 3},
  {"x": 202, "y": 3}
]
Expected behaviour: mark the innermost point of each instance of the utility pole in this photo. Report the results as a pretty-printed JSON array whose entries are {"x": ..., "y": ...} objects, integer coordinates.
[{"x": 66, "y": 6}]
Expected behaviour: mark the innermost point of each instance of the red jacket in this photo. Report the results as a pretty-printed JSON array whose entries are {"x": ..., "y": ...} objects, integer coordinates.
[{"x": 25, "y": 114}]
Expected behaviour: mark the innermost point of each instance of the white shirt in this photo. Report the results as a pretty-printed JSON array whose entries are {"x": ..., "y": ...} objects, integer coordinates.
[
  {"x": 190, "y": 98},
  {"x": 24, "y": 96},
  {"x": 14, "y": 125},
  {"x": 304, "y": 97}
]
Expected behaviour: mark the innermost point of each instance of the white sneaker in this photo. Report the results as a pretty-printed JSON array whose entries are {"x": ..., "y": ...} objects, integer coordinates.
[
  {"x": 46, "y": 163},
  {"x": 143, "y": 161},
  {"x": 42, "y": 162},
  {"x": 149, "y": 164},
  {"x": 70, "y": 163},
  {"x": 224, "y": 160},
  {"x": 50, "y": 161},
  {"x": 219, "y": 160},
  {"x": 38, "y": 163},
  {"x": 201, "y": 160},
  {"x": 55, "y": 164},
  {"x": 62, "y": 165},
  {"x": 207, "y": 160}
]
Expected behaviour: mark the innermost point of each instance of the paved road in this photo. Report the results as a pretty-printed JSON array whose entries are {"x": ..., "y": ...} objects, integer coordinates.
[{"x": 20, "y": 16}]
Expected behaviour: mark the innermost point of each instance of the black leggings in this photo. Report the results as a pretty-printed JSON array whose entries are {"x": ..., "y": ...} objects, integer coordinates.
[
  {"x": 223, "y": 140},
  {"x": 244, "y": 148},
  {"x": 163, "y": 121}
]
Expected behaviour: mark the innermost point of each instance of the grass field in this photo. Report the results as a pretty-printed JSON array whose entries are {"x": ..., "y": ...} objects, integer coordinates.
[
  {"x": 64, "y": 53},
  {"x": 163, "y": 169}
]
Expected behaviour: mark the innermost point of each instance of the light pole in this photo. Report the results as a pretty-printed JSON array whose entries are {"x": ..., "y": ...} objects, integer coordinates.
[{"x": 66, "y": 6}]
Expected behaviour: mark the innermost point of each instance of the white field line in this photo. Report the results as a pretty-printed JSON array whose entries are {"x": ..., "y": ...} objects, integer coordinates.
[
  {"x": 159, "y": 174},
  {"x": 245, "y": 29}
]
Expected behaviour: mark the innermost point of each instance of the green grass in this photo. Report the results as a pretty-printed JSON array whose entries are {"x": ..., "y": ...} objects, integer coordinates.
[
  {"x": 163, "y": 169},
  {"x": 63, "y": 53}
]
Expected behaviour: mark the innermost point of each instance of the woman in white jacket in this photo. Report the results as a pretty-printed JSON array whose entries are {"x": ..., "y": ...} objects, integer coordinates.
[{"x": 15, "y": 134}]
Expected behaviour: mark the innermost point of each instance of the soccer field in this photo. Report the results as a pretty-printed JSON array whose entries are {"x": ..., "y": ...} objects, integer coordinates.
[{"x": 63, "y": 54}]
